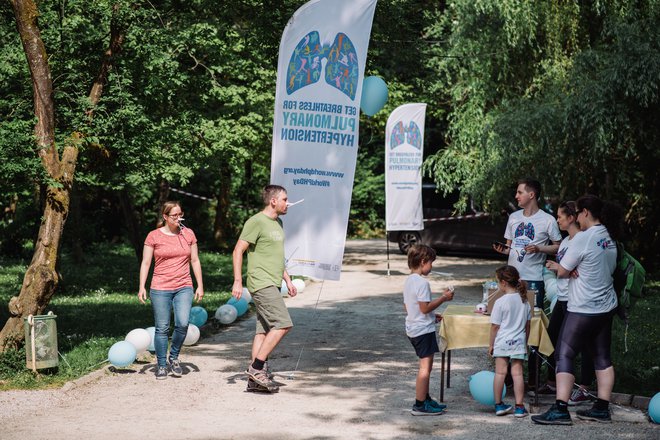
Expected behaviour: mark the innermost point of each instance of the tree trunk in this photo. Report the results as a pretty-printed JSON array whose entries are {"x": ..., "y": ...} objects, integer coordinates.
[
  {"x": 41, "y": 277},
  {"x": 131, "y": 223},
  {"x": 221, "y": 226}
]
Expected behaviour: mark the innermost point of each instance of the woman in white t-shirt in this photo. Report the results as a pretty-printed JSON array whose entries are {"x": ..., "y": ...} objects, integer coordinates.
[
  {"x": 508, "y": 338},
  {"x": 589, "y": 264}
]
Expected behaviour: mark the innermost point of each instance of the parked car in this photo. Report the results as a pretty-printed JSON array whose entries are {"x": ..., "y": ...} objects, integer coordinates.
[{"x": 447, "y": 230}]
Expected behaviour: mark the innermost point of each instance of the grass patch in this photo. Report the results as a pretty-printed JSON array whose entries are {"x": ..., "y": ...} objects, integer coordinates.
[{"x": 96, "y": 305}]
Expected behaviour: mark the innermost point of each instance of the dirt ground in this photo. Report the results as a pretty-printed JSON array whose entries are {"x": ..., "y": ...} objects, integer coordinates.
[{"x": 355, "y": 376}]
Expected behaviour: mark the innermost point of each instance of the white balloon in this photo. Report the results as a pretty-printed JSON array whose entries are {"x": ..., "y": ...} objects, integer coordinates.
[
  {"x": 284, "y": 289},
  {"x": 300, "y": 284},
  {"x": 226, "y": 314},
  {"x": 139, "y": 338},
  {"x": 192, "y": 336},
  {"x": 246, "y": 295}
]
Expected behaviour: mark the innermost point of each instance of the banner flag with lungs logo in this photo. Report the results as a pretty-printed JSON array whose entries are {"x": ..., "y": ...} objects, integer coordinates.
[
  {"x": 404, "y": 153},
  {"x": 321, "y": 64}
]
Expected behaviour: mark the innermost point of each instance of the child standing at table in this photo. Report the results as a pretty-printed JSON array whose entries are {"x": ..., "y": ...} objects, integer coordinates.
[
  {"x": 420, "y": 324},
  {"x": 509, "y": 333}
]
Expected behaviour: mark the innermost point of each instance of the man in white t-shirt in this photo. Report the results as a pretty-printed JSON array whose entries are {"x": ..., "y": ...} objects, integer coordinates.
[{"x": 531, "y": 234}]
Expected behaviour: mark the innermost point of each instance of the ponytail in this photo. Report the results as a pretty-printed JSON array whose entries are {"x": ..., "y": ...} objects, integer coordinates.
[{"x": 510, "y": 276}]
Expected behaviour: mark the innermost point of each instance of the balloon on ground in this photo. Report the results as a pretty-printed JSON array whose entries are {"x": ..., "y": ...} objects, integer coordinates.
[
  {"x": 654, "y": 408},
  {"x": 122, "y": 354},
  {"x": 481, "y": 388},
  {"x": 192, "y": 336},
  {"x": 246, "y": 295},
  {"x": 198, "y": 316},
  {"x": 140, "y": 338},
  {"x": 374, "y": 95},
  {"x": 241, "y": 306},
  {"x": 300, "y": 284},
  {"x": 152, "y": 334},
  {"x": 226, "y": 314}
]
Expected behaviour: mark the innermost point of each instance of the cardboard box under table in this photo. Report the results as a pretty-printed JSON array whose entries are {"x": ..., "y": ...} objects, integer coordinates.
[{"x": 461, "y": 327}]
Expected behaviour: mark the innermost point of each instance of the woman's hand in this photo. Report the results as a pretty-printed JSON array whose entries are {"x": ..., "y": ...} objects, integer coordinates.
[
  {"x": 199, "y": 294},
  {"x": 142, "y": 295},
  {"x": 552, "y": 265}
]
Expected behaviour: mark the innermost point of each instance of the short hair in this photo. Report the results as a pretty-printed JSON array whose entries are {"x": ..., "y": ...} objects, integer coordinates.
[
  {"x": 271, "y": 191},
  {"x": 418, "y": 254},
  {"x": 531, "y": 185}
]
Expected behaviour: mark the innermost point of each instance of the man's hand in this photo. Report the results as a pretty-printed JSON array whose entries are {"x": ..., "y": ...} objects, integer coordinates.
[
  {"x": 292, "y": 289},
  {"x": 237, "y": 289}
]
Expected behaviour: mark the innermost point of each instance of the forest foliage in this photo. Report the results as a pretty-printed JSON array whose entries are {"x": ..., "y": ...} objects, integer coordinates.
[{"x": 564, "y": 91}]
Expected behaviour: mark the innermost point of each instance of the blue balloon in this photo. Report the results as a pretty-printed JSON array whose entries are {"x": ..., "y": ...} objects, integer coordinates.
[
  {"x": 152, "y": 333},
  {"x": 481, "y": 387},
  {"x": 122, "y": 354},
  {"x": 374, "y": 95},
  {"x": 232, "y": 301},
  {"x": 654, "y": 408},
  {"x": 198, "y": 316},
  {"x": 241, "y": 306}
]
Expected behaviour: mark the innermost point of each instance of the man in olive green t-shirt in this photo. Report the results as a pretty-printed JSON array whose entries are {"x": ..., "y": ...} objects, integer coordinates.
[{"x": 263, "y": 239}]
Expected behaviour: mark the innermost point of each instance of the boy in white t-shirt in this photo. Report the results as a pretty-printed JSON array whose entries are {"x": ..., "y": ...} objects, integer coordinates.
[
  {"x": 508, "y": 338},
  {"x": 420, "y": 324}
]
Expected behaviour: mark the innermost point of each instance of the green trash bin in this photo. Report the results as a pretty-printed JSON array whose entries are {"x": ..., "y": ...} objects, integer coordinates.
[{"x": 41, "y": 341}]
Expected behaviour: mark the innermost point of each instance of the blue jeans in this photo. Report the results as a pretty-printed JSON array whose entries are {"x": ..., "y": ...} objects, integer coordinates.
[
  {"x": 539, "y": 286},
  {"x": 162, "y": 302}
]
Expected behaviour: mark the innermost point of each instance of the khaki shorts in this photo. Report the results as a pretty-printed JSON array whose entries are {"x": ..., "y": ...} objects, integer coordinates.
[{"x": 271, "y": 310}]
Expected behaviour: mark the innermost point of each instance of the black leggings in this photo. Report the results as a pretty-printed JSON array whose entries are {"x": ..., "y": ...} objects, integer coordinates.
[
  {"x": 579, "y": 332},
  {"x": 554, "y": 327}
]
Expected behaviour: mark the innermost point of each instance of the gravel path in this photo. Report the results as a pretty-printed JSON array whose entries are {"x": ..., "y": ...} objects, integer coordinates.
[{"x": 355, "y": 377}]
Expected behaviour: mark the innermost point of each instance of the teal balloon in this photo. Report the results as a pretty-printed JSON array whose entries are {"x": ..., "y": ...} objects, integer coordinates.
[
  {"x": 152, "y": 333},
  {"x": 122, "y": 354},
  {"x": 232, "y": 301},
  {"x": 198, "y": 316},
  {"x": 374, "y": 95},
  {"x": 241, "y": 306},
  {"x": 654, "y": 408},
  {"x": 481, "y": 387}
]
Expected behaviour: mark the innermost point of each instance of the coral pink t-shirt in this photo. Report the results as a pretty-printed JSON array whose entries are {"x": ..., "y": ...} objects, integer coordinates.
[{"x": 172, "y": 255}]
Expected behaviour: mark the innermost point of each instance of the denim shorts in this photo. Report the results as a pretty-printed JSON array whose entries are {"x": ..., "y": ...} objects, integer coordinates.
[{"x": 425, "y": 345}]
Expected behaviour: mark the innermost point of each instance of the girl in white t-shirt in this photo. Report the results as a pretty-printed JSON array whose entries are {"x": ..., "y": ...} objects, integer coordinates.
[
  {"x": 508, "y": 337},
  {"x": 420, "y": 324}
]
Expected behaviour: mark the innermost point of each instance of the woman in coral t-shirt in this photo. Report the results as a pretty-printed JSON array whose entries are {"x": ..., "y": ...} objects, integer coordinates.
[{"x": 174, "y": 248}]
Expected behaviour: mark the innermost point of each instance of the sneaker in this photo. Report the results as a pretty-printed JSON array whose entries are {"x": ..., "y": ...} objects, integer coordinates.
[
  {"x": 267, "y": 370},
  {"x": 161, "y": 373},
  {"x": 502, "y": 409},
  {"x": 260, "y": 377},
  {"x": 520, "y": 411},
  {"x": 253, "y": 387},
  {"x": 545, "y": 389},
  {"x": 597, "y": 415},
  {"x": 426, "y": 409},
  {"x": 175, "y": 368},
  {"x": 553, "y": 417},
  {"x": 435, "y": 404},
  {"x": 580, "y": 396}
]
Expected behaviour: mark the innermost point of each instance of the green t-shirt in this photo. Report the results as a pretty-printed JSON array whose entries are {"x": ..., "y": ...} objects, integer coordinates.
[{"x": 266, "y": 251}]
